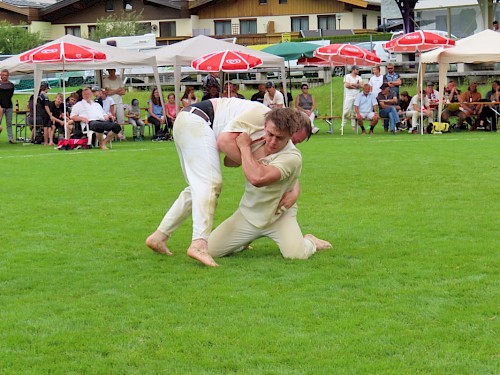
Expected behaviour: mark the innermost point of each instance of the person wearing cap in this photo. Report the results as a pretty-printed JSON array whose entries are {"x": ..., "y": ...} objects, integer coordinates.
[
  {"x": 273, "y": 98},
  {"x": 366, "y": 107},
  {"x": 114, "y": 86},
  {"x": 352, "y": 83},
  {"x": 91, "y": 113},
  {"x": 388, "y": 103},
  {"x": 201, "y": 131},
  {"x": 97, "y": 91}
]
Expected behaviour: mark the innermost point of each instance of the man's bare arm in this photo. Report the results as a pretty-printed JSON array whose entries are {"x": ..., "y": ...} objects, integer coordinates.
[{"x": 256, "y": 173}]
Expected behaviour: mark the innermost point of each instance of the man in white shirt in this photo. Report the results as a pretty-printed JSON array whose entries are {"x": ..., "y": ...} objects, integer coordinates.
[
  {"x": 273, "y": 98},
  {"x": 352, "y": 83},
  {"x": 270, "y": 171},
  {"x": 90, "y": 112},
  {"x": 376, "y": 80}
]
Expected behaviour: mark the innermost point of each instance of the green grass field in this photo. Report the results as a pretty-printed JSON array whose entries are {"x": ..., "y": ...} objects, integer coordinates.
[{"x": 410, "y": 287}]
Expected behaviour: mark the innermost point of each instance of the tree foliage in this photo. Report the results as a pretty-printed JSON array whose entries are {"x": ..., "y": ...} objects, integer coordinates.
[
  {"x": 126, "y": 24},
  {"x": 16, "y": 39}
]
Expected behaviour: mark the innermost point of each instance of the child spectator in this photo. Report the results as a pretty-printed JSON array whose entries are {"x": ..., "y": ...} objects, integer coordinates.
[{"x": 134, "y": 118}]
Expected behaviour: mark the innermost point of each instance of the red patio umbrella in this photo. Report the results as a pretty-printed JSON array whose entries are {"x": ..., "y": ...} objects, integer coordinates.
[
  {"x": 63, "y": 52},
  {"x": 345, "y": 54},
  {"x": 226, "y": 61},
  {"x": 418, "y": 41}
]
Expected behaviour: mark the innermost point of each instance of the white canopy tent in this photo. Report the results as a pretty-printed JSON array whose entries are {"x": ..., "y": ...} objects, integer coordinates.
[
  {"x": 183, "y": 53},
  {"x": 116, "y": 58},
  {"x": 478, "y": 48}
]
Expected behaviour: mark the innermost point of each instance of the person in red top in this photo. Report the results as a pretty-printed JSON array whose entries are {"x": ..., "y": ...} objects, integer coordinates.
[{"x": 171, "y": 112}]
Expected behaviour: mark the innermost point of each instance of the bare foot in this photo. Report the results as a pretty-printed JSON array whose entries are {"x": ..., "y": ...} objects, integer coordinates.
[
  {"x": 199, "y": 250},
  {"x": 320, "y": 244},
  {"x": 157, "y": 243},
  {"x": 103, "y": 147}
]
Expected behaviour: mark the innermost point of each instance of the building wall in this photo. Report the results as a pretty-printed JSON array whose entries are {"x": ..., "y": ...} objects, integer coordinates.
[
  {"x": 231, "y": 9},
  {"x": 13, "y": 18}
]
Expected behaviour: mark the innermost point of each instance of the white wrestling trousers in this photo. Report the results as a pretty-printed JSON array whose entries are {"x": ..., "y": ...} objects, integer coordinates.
[
  {"x": 236, "y": 232},
  {"x": 348, "y": 110},
  {"x": 199, "y": 157}
]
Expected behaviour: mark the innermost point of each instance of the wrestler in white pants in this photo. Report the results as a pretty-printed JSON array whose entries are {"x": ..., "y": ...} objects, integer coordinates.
[
  {"x": 199, "y": 157},
  {"x": 236, "y": 232}
]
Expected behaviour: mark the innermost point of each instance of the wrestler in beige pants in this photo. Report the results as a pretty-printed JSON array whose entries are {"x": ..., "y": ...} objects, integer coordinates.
[{"x": 236, "y": 232}]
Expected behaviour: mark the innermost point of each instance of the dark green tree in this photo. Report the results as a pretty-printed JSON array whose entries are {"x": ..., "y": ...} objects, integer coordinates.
[
  {"x": 17, "y": 39},
  {"x": 126, "y": 24}
]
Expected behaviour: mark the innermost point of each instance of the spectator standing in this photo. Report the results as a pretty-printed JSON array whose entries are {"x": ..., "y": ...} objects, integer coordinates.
[
  {"x": 393, "y": 80},
  {"x": 133, "y": 114},
  {"x": 114, "y": 87},
  {"x": 366, "y": 107},
  {"x": 273, "y": 98},
  {"x": 259, "y": 95},
  {"x": 306, "y": 103},
  {"x": 209, "y": 81},
  {"x": 6, "y": 93},
  {"x": 376, "y": 80},
  {"x": 156, "y": 114},
  {"x": 352, "y": 83}
]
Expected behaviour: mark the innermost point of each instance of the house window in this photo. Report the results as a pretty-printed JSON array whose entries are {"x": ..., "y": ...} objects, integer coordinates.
[
  {"x": 300, "y": 23},
  {"x": 365, "y": 21},
  {"x": 222, "y": 27},
  {"x": 167, "y": 29},
  {"x": 92, "y": 29},
  {"x": 73, "y": 30},
  {"x": 262, "y": 2},
  {"x": 109, "y": 6},
  {"x": 283, "y": 2},
  {"x": 248, "y": 26},
  {"x": 127, "y": 5},
  {"x": 327, "y": 22}
]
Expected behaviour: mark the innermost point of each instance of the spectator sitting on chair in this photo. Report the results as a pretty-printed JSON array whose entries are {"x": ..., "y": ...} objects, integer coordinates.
[
  {"x": 402, "y": 107},
  {"x": 387, "y": 103},
  {"x": 259, "y": 95},
  {"x": 58, "y": 116},
  {"x": 487, "y": 112},
  {"x": 234, "y": 90},
  {"x": 366, "y": 107},
  {"x": 171, "y": 112},
  {"x": 417, "y": 109},
  {"x": 432, "y": 95},
  {"x": 306, "y": 103},
  {"x": 156, "y": 113},
  {"x": 189, "y": 97},
  {"x": 93, "y": 114},
  {"x": 108, "y": 104},
  {"x": 452, "y": 102},
  {"x": 469, "y": 111},
  {"x": 133, "y": 114},
  {"x": 273, "y": 98}
]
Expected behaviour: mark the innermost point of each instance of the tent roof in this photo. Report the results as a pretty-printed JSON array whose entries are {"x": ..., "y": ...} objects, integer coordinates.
[
  {"x": 477, "y": 48},
  {"x": 116, "y": 58},
  {"x": 182, "y": 53}
]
